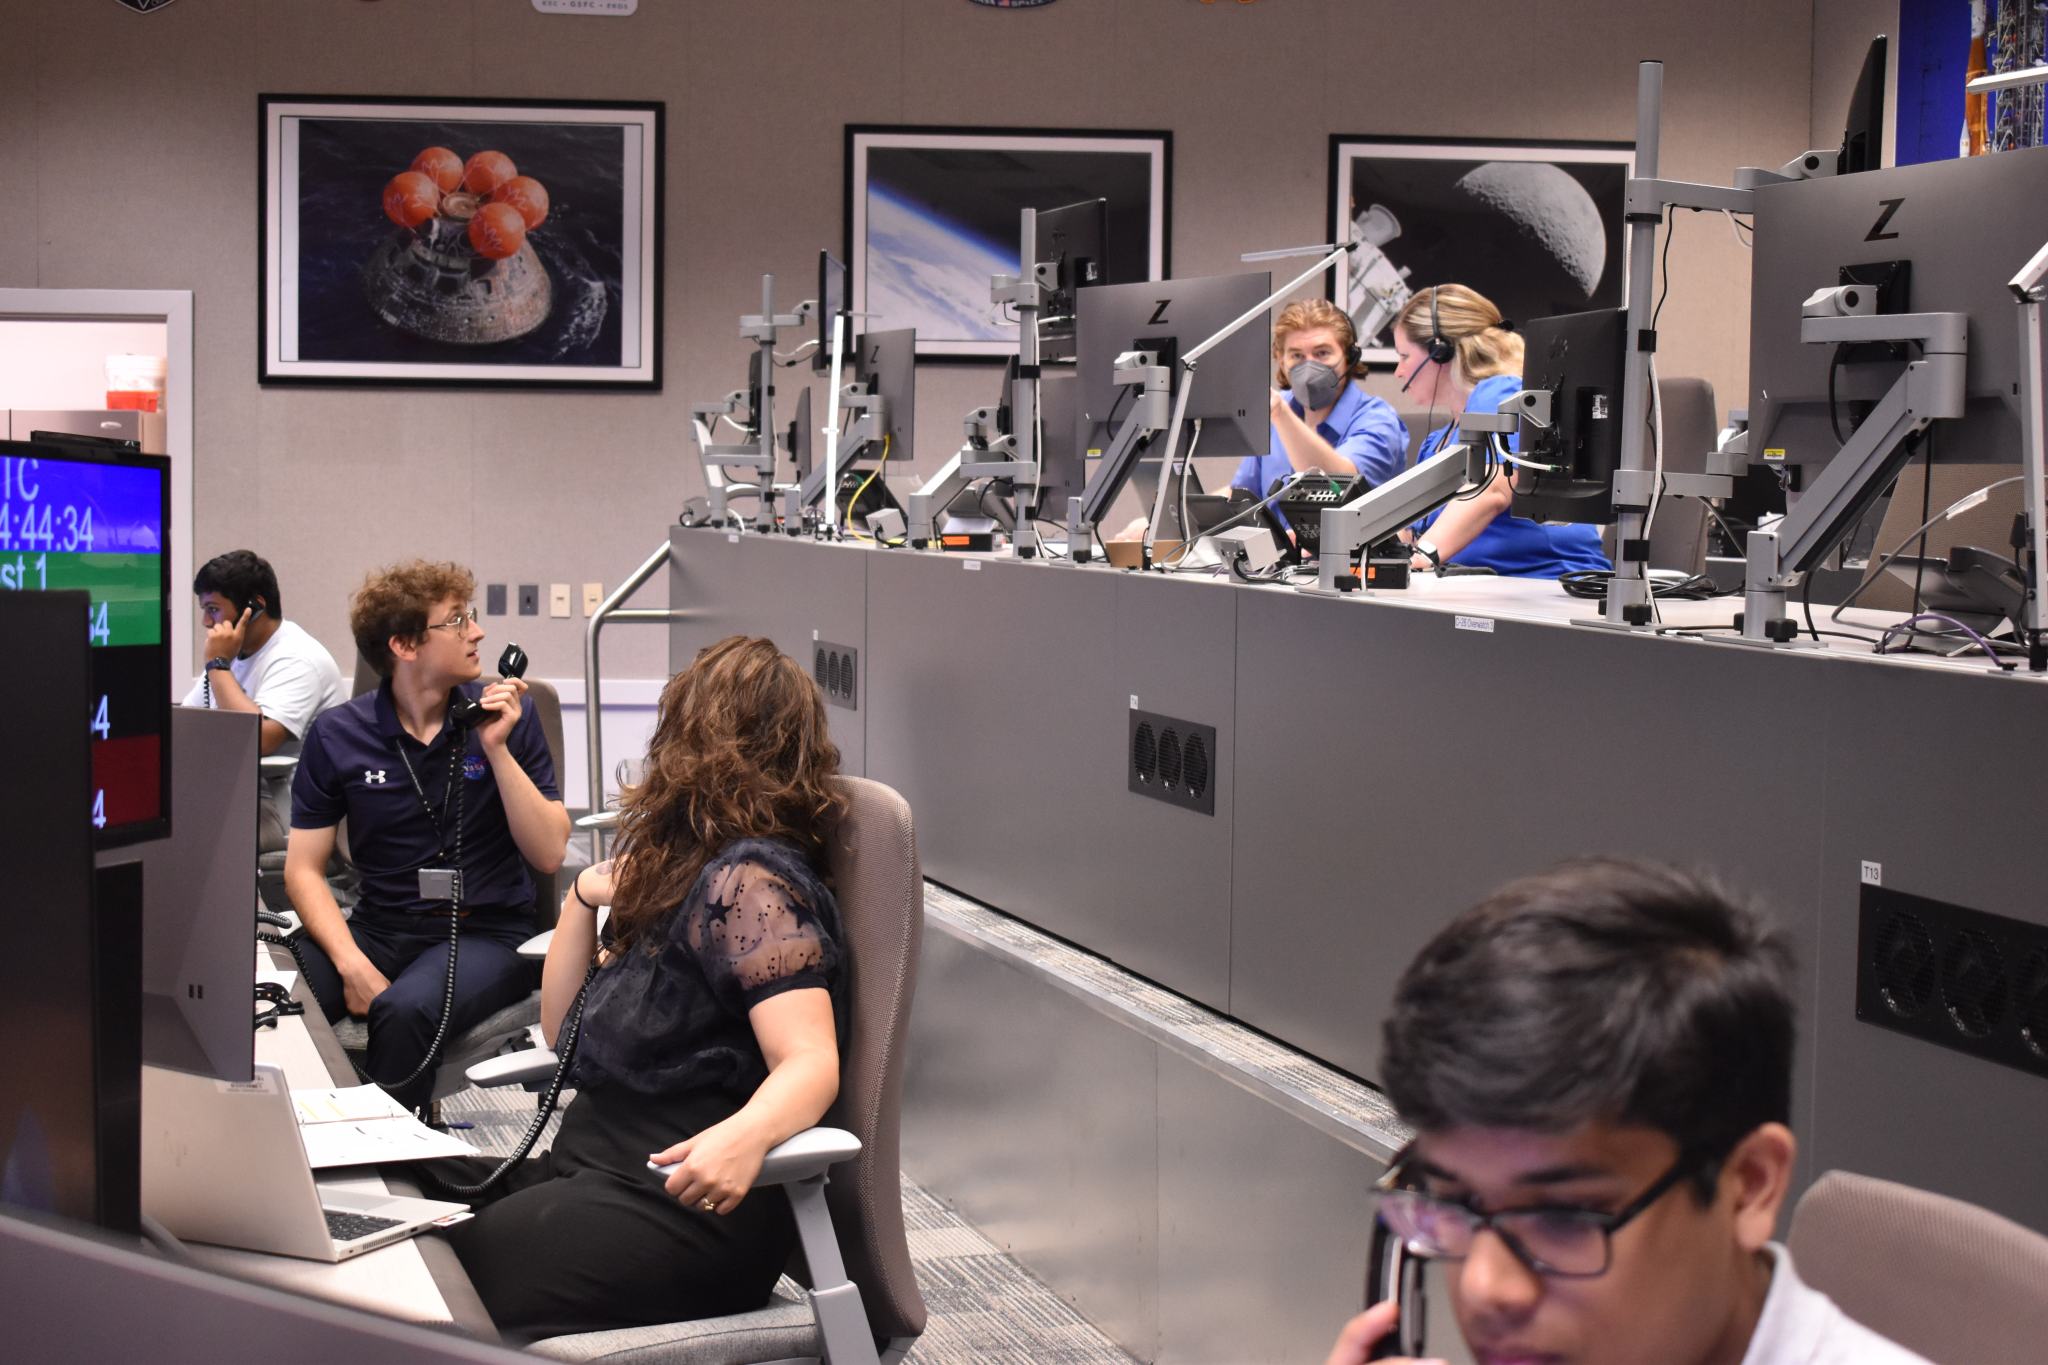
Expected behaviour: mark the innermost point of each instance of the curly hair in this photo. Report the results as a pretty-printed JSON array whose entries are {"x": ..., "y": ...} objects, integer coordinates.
[
  {"x": 740, "y": 751},
  {"x": 1303, "y": 314},
  {"x": 396, "y": 600}
]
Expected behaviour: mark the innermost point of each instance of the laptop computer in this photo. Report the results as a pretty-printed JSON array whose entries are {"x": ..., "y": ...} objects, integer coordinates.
[{"x": 222, "y": 1162}]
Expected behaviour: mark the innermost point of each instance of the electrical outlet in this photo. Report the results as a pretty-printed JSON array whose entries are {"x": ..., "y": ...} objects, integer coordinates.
[
  {"x": 529, "y": 599},
  {"x": 558, "y": 599},
  {"x": 494, "y": 599},
  {"x": 593, "y": 598}
]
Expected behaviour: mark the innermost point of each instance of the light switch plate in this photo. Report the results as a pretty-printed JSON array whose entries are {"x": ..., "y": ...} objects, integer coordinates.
[
  {"x": 593, "y": 598},
  {"x": 529, "y": 599},
  {"x": 558, "y": 599}
]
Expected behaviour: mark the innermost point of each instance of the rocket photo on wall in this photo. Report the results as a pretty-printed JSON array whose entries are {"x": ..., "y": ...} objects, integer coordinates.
[
  {"x": 1536, "y": 227},
  {"x": 450, "y": 242}
]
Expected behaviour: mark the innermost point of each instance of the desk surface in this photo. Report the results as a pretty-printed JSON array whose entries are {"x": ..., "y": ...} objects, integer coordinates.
[{"x": 417, "y": 1280}]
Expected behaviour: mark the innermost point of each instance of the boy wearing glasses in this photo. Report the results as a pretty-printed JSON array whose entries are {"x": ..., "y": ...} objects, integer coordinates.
[
  {"x": 1598, "y": 1063},
  {"x": 443, "y": 819}
]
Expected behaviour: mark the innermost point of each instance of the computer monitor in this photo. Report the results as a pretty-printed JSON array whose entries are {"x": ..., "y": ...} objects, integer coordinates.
[
  {"x": 1580, "y": 359},
  {"x": 1943, "y": 236},
  {"x": 886, "y": 363},
  {"x": 1075, "y": 239},
  {"x": 1863, "y": 129},
  {"x": 199, "y": 897},
  {"x": 1232, "y": 385},
  {"x": 79, "y": 512},
  {"x": 831, "y": 304},
  {"x": 70, "y": 1079}
]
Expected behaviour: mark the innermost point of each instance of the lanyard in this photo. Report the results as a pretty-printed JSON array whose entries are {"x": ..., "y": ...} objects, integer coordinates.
[{"x": 458, "y": 744}]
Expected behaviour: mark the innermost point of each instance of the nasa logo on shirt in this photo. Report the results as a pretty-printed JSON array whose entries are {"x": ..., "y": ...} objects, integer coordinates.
[
  {"x": 474, "y": 767},
  {"x": 143, "y": 6}
]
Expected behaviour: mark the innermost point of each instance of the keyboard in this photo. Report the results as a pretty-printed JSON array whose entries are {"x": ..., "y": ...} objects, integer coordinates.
[{"x": 347, "y": 1227}]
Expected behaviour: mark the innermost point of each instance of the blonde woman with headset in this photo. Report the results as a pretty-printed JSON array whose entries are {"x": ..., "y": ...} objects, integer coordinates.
[{"x": 1457, "y": 354}]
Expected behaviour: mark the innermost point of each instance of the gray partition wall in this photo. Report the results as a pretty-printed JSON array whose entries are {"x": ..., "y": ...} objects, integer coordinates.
[{"x": 1378, "y": 768}]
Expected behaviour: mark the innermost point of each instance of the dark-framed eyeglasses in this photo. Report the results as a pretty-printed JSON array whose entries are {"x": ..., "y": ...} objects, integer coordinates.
[
  {"x": 461, "y": 620},
  {"x": 1557, "y": 1240}
]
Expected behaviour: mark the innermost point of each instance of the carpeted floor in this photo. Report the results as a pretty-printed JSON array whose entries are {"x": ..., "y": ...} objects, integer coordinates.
[{"x": 985, "y": 1309}]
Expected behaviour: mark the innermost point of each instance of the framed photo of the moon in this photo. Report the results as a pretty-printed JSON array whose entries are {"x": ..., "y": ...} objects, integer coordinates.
[
  {"x": 465, "y": 243},
  {"x": 932, "y": 214},
  {"x": 1536, "y": 227}
]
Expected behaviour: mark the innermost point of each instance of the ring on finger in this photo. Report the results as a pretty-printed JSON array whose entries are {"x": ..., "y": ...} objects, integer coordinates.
[{"x": 708, "y": 1203}]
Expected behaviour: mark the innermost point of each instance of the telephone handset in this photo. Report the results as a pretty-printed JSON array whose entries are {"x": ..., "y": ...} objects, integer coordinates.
[
  {"x": 466, "y": 711},
  {"x": 1391, "y": 1272}
]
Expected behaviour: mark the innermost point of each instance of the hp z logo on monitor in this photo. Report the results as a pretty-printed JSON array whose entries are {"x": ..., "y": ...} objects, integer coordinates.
[
  {"x": 1877, "y": 232},
  {"x": 1159, "y": 313}
]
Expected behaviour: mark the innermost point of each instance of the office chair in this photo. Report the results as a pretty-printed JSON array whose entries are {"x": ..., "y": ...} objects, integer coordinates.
[
  {"x": 1678, "y": 540},
  {"x": 1938, "y": 1276},
  {"x": 508, "y": 1028},
  {"x": 864, "y": 1305}
]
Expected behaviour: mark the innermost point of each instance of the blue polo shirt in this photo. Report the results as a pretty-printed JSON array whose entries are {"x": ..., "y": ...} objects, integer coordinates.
[
  {"x": 353, "y": 766},
  {"x": 1510, "y": 544},
  {"x": 1363, "y": 429}
]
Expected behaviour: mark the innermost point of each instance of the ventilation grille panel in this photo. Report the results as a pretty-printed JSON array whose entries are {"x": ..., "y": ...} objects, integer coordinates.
[
  {"x": 1953, "y": 976},
  {"x": 1173, "y": 760},
  {"x": 836, "y": 669}
]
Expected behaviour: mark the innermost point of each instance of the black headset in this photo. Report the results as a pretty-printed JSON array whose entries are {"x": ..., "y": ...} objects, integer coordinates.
[{"x": 1440, "y": 350}]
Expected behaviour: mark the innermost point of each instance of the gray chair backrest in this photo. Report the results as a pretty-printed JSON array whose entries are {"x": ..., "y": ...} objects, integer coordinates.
[
  {"x": 1987, "y": 525},
  {"x": 366, "y": 678},
  {"x": 1941, "y": 1277},
  {"x": 880, "y": 889},
  {"x": 1679, "y": 539}
]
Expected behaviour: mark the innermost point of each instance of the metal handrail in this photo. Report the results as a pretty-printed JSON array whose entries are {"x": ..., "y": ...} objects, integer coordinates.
[{"x": 612, "y": 610}]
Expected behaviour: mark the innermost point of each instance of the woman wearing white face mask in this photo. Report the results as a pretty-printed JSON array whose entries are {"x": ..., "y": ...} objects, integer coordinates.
[{"x": 1322, "y": 420}]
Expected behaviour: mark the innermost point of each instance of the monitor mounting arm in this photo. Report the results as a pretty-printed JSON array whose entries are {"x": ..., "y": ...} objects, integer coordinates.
[
  {"x": 1013, "y": 457},
  {"x": 1930, "y": 389},
  {"x": 1414, "y": 493},
  {"x": 1147, "y": 418},
  {"x": 757, "y": 455}
]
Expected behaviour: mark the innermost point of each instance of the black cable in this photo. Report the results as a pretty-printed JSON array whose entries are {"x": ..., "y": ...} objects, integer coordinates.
[
  {"x": 1591, "y": 585},
  {"x": 1834, "y": 414},
  {"x": 565, "y": 1056},
  {"x": 1664, "y": 264},
  {"x": 1926, "y": 495}
]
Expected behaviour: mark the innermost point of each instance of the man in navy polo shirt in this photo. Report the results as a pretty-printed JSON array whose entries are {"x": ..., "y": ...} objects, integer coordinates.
[{"x": 441, "y": 818}]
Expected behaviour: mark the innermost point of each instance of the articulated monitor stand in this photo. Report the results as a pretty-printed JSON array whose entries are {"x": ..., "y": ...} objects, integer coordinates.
[
  {"x": 1931, "y": 388},
  {"x": 2027, "y": 288},
  {"x": 1364, "y": 522},
  {"x": 756, "y": 457},
  {"x": 1148, "y": 417},
  {"x": 1013, "y": 456}
]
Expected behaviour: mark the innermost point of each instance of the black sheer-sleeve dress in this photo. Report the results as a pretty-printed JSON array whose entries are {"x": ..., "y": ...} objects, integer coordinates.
[{"x": 583, "y": 1237}]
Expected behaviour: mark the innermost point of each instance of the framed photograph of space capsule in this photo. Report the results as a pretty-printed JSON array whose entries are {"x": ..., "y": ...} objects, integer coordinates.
[
  {"x": 1536, "y": 227},
  {"x": 933, "y": 213},
  {"x": 460, "y": 243}
]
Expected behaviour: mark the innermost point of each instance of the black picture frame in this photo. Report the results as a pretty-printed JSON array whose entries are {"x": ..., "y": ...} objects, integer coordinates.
[
  {"x": 985, "y": 176},
  {"x": 348, "y": 296},
  {"x": 1535, "y": 225}
]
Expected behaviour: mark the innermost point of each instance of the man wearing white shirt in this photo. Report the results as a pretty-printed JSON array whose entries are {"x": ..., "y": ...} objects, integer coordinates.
[
  {"x": 1597, "y": 1061},
  {"x": 258, "y": 661}
]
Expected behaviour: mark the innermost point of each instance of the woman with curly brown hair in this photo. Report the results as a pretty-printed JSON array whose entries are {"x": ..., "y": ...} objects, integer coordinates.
[{"x": 709, "y": 1026}]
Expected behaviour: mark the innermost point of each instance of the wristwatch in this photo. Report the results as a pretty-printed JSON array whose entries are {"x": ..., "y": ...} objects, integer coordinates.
[
  {"x": 215, "y": 664},
  {"x": 1428, "y": 552}
]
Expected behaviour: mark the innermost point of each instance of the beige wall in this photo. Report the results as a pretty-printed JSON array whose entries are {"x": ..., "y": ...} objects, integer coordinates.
[{"x": 128, "y": 160}]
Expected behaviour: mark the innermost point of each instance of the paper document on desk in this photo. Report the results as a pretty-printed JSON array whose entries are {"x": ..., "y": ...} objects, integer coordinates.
[{"x": 363, "y": 1126}]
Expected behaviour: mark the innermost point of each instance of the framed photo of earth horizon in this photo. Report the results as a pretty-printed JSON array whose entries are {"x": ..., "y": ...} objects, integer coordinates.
[
  {"x": 932, "y": 213},
  {"x": 1534, "y": 226},
  {"x": 460, "y": 242}
]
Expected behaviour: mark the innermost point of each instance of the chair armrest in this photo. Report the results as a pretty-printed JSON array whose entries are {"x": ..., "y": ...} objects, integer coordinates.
[
  {"x": 278, "y": 762},
  {"x": 810, "y": 1153},
  {"x": 535, "y": 949},
  {"x": 529, "y": 1066},
  {"x": 598, "y": 819}
]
